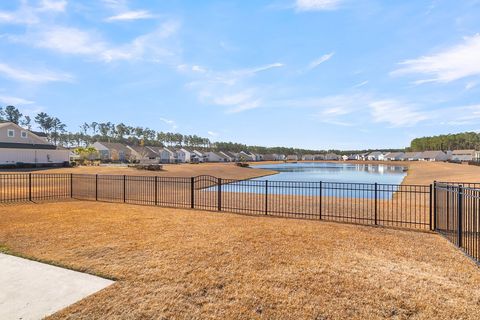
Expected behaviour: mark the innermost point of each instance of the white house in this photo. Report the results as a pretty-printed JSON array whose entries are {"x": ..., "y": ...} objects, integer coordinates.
[
  {"x": 433, "y": 156},
  {"x": 246, "y": 156},
  {"x": 227, "y": 156},
  {"x": 214, "y": 157},
  {"x": 332, "y": 156},
  {"x": 184, "y": 155},
  {"x": 463, "y": 155},
  {"x": 21, "y": 146},
  {"x": 198, "y": 156},
  {"x": 167, "y": 155},
  {"x": 412, "y": 156},
  {"x": 374, "y": 156},
  {"x": 394, "y": 156},
  {"x": 308, "y": 157},
  {"x": 292, "y": 157}
]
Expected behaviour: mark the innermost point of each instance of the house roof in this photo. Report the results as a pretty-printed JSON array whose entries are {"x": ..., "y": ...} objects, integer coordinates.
[
  {"x": 394, "y": 154},
  {"x": 463, "y": 152},
  {"x": 144, "y": 151},
  {"x": 115, "y": 146},
  {"x": 374, "y": 153},
  {"x": 13, "y": 145},
  {"x": 412, "y": 154},
  {"x": 432, "y": 154}
]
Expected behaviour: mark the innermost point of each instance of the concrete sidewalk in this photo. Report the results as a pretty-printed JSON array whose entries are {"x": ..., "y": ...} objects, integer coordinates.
[{"x": 33, "y": 290}]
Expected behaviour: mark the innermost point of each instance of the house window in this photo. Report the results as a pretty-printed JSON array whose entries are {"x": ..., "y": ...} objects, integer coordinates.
[
  {"x": 24, "y": 134},
  {"x": 11, "y": 133}
]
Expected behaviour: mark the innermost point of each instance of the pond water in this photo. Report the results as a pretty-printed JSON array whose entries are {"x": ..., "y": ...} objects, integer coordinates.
[
  {"x": 335, "y": 172},
  {"x": 337, "y": 180}
]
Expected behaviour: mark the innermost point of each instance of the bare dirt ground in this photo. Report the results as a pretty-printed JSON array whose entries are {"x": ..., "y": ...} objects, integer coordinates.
[
  {"x": 220, "y": 170},
  {"x": 187, "y": 264}
]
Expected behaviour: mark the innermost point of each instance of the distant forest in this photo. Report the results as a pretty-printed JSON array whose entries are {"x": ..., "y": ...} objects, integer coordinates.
[{"x": 457, "y": 141}]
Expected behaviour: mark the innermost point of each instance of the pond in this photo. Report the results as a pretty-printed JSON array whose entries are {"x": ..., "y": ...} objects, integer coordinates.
[
  {"x": 335, "y": 172},
  {"x": 344, "y": 180}
]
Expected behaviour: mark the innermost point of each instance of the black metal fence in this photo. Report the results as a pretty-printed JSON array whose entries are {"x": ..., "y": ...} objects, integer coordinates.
[
  {"x": 407, "y": 206},
  {"x": 457, "y": 207}
]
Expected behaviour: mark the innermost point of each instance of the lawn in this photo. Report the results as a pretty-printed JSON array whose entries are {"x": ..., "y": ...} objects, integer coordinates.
[{"x": 187, "y": 264}]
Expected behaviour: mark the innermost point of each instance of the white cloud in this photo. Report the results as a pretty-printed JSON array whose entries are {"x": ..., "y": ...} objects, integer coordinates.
[
  {"x": 27, "y": 76},
  {"x": 470, "y": 85},
  {"x": 68, "y": 40},
  {"x": 457, "y": 62},
  {"x": 131, "y": 15},
  {"x": 9, "y": 100},
  {"x": 171, "y": 123},
  {"x": 361, "y": 84},
  {"x": 53, "y": 5},
  {"x": 316, "y": 5},
  {"x": 396, "y": 113},
  {"x": 315, "y": 63},
  {"x": 28, "y": 15},
  {"x": 229, "y": 89}
]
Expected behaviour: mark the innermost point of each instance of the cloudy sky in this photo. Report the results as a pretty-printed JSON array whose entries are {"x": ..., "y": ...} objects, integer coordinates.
[{"x": 342, "y": 74}]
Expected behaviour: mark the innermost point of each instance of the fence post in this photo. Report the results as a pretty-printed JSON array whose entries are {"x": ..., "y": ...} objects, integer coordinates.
[
  {"x": 96, "y": 187},
  {"x": 219, "y": 194},
  {"x": 30, "y": 187},
  {"x": 431, "y": 207},
  {"x": 71, "y": 185},
  {"x": 124, "y": 188},
  {"x": 266, "y": 197},
  {"x": 376, "y": 201},
  {"x": 321, "y": 196},
  {"x": 460, "y": 214},
  {"x": 434, "y": 222},
  {"x": 156, "y": 190},
  {"x": 192, "y": 192}
]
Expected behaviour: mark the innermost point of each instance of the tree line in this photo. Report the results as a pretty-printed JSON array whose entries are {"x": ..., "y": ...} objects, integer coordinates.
[
  {"x": 457, "y": 141},
  {"x": 89, "y": 133}
]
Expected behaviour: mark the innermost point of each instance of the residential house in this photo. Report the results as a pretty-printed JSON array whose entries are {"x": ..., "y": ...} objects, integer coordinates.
[
  {"x": 463, "y": 155},
  {"x": 144, "y": 154},
  {"x": 246, "y": 156},
  {"x": 292, "y": 157},
  {"x": 270, "y": 157},
  {"x": 227, "y": 156},
  {"x": 394, "y": 156},
  {"x": 374, "y": 156},
  {"x": 113, "y": 151},
  {"x": 308, "y": 157},
  {"x": 344, "y": 157},
  {"x": 332, "y": 157},
  {"x": 412, "y": 156},
  {"x": 184, "y": 155},
  {"x": 198, "y": 156},
  {"x": 214, "y": 157},
  {"x": 21, "y": 146},
  {"x": 319, "y": 157},
  {"x": 433, "y": 156},
  {"x": 167, "y": 155}
]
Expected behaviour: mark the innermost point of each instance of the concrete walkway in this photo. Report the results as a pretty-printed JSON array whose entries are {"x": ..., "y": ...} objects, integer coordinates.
[{"x": 33, "y": 290}]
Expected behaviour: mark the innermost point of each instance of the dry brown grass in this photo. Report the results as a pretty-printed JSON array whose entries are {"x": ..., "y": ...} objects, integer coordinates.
[{"x": 185, "y": 264}]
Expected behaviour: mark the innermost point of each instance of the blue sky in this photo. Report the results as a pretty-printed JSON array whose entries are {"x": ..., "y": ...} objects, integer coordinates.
[{"x": 318, "y": 74}]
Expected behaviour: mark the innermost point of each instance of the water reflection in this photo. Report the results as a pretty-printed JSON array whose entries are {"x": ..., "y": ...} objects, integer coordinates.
[{"x": 336, "y": 172}]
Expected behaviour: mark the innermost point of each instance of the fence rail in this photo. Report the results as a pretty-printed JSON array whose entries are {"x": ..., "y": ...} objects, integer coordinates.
[
  {"x": 450, "y": 208},
  {"x": 407, "y": 206},
  {"x": 457, "y": 208}
]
